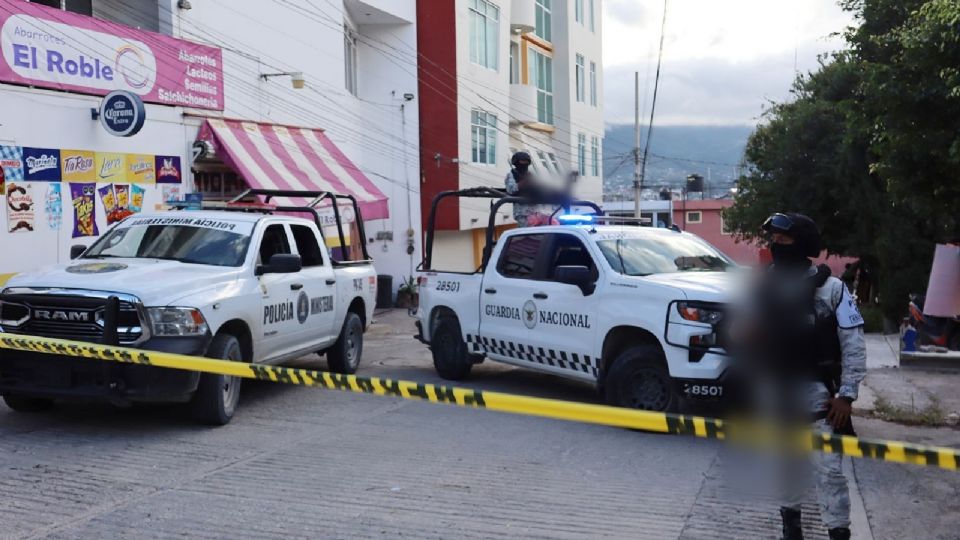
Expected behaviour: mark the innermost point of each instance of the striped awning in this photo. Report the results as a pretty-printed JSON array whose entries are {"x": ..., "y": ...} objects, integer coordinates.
[{"x": 271, "y": 156}]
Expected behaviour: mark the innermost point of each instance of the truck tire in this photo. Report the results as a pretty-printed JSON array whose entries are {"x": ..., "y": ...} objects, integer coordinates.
[
  {"x": 24, "y": 404},
  {"x": 344, "y": 356},
  {"x": 450, "y": 357},
  {"x": 639, "y": 379},
  {"x": 217, "y": 396}
]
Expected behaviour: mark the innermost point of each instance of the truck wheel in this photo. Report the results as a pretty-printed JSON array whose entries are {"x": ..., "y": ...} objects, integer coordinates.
[
  {"x": 450, "y": 356},
  {"x": 344, "y": 356},
  {"x": 25, "y": 404},
  {"x": 217, "y": 395},
  {"x": 639, "y": 380}
]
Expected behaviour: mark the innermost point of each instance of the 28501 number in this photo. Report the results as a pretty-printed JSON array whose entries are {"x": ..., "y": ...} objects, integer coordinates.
[{"x": 448, "y": 286}]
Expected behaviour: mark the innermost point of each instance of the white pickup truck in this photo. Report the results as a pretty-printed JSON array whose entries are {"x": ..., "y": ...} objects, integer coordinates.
[
  {"x": 638, "y": 311},
  {"x": 243, "y": 286}
]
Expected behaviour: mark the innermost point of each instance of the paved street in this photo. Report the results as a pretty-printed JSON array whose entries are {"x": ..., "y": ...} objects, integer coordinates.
[{"x": 298, "y": 462}]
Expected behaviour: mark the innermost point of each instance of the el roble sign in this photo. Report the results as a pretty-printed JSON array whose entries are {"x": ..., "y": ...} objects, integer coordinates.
[
  {"x": 49, "y": 48},
  {"x": 122, "y": 113}
]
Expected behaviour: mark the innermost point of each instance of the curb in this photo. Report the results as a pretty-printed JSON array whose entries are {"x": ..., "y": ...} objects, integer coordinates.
[{"x": 859, "y": 523}]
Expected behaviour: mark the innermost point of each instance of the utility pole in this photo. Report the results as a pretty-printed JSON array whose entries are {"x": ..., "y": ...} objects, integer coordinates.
[{"x": 636, "y": 148}]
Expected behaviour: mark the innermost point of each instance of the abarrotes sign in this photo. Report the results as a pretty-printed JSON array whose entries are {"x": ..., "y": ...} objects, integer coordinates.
[{"x": 122, "y": 113}]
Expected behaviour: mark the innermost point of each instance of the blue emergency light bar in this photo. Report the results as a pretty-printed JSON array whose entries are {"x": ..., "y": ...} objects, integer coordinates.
[{"x": 574, "y": 219}]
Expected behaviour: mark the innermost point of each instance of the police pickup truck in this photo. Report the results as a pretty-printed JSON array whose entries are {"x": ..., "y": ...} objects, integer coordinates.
[
  {"x": 638, "y": 311},
  {"x": 243, "y": 284}
]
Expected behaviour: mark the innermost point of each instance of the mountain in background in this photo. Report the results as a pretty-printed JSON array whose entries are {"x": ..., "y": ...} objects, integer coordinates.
[{"x": 714, "y": 152}]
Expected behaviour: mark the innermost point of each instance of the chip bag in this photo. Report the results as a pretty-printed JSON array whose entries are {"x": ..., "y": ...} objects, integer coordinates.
[{"x": 136, "y": 198}]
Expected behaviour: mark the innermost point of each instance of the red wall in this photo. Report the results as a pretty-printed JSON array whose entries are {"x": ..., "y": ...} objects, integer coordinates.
[
  {"x": 437, "y": 84},
  {"x": 742, "y": 253}
]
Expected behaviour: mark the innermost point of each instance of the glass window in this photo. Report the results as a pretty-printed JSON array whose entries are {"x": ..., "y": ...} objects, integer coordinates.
[
  {"x": 582, "y": 154},
  {"x": 350, "y": 59},
  {"x": 544, "y": 20},
  {"x": 593, "y": 84},
  {"x": 519, "y": 256},
  {"x": 541, "y": 76},
  {"x": 483, "y": 130},
  {"x": 593, "y": 22},
  {"x": 595, "y": 155},
  {"x": 578, "y": 11},
  {"x": 694, "y": 217},
  {"x": 307, "y": 245},
  {"x": 83, "y": 7},
  {"x": 184, "y": 243},
  {"x": 556, "y": 163},
  {"x": 567, "y": 250},
  {"x": 274, "y": 242},
  {"x": 543, "y": 160},
  {"x": 661, "y": 254},
  {"x": 484, "y": 33},
  {"x": 580, "y": 78},
  {"x": 514, "y": 63}
]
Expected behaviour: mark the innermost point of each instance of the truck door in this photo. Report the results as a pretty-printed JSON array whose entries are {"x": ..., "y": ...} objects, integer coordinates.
[
  {"x": 529, "y": 318},
  {"x": 319, "y": 288},
  {"x": 281, "y": 329}
]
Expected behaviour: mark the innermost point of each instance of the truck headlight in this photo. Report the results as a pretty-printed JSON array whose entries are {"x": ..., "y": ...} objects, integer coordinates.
[
  {"x": 177, "y": 321},
  {"x": 703, "y": 313}
]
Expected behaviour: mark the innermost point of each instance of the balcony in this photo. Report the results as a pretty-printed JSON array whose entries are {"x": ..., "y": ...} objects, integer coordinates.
[{"x": 523, "y": 18}]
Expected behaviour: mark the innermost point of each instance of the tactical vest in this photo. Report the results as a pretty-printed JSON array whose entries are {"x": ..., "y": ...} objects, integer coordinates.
[{"x": 823, "y": 355}]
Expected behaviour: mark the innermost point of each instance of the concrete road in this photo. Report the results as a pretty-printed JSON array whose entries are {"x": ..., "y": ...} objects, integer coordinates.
[{"x": 304, "y": 463}]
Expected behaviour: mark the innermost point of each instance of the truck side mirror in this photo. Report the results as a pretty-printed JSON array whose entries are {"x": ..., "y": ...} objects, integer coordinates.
[
  {"x": 77, "y": 250},
  {"x": 281, "y": 263},
  {"x": 576, "y": 275}
]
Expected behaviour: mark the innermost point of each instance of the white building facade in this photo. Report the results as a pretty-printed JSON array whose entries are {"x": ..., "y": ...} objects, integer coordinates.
[
  {"x": 341, "y": 72},
  {"x": 499, "y": 76}
]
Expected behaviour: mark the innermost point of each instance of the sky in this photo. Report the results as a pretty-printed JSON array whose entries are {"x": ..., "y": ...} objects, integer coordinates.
[{"x": 723, "y": 60}]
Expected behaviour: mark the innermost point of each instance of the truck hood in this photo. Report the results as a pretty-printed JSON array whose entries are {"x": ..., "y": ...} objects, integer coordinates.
[
  {"x": 719, "y": 287},
  {"x": 155, "y": 282}
]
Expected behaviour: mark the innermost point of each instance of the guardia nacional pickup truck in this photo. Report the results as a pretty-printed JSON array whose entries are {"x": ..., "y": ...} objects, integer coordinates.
[{"x": 242, "y": 283}]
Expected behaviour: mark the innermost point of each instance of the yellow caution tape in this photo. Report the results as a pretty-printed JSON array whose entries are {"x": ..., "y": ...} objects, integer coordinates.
[
  {"x": 709, "y": 428},
  {"x": 5, "y": 277}
]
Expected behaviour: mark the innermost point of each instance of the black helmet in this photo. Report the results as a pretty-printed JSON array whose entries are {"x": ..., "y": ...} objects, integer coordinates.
[
  {"x": 801, "y": 228},
  {"x": 520, "y": 156}
]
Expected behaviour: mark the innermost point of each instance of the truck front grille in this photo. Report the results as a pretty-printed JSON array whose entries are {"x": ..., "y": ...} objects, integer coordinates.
[{"x": 79, "y": 318}]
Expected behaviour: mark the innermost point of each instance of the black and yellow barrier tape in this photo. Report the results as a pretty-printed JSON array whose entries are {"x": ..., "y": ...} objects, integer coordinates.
[{"x": 709, "y": 428}]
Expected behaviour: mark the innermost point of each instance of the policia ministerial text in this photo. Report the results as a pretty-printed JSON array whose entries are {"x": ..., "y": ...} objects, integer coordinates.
[{"x": 944, "y": 458}]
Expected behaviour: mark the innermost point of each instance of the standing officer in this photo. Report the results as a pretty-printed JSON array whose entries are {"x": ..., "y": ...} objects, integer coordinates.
[
  {"x": 520, "y": 182},
  {"x": 827, "y": 355}
]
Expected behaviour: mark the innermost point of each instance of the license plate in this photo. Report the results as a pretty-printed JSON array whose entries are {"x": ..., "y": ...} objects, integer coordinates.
[{"x": 698, "y": 390}]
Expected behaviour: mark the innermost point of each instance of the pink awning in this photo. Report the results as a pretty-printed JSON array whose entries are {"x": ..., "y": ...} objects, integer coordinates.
[{"x": 270, "y": 156}]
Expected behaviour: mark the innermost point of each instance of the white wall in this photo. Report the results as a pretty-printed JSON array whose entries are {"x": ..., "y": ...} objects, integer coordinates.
[
  {"x": 453, "y": 251},
  {"x": 48, "y": 119},
  {"x": 371, "y": 128}
]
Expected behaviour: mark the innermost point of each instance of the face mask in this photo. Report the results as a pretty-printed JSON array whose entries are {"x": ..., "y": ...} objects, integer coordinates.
[
  {"x": 788, "y": 256},
  {"x": 522, "y": 167}
]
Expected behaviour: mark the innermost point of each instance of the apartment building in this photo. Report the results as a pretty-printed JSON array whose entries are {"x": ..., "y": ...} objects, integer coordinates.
[
  {"x": 294, "y": 94},
  {"x": 495, "y": 77}
]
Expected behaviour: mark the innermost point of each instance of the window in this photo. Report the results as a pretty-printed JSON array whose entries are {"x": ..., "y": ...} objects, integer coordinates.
[
  {"x": 694, "y": 217},
  {"x": 484, "y": 33},
  {"x": 594, "y": 156},
  {"x": 544, "y": 20},
  {"x": 83, "y": 7},
  {"x": 541, "y": 76},
  {"x": 578, "y": 11},
  {"x": 184, "y": 243},
  {"x": 723, "y": 226},
  {"x": 582, "y": 154},
  {"x": 580, "y": 78},
  {"x": 642, "y": 255},
  {"x": 556, "y": 164},
  {"x": 514, "y": 63},
  {"x": 483, "y": 128},
  {"x": 519, "y": 256},
  {"x": 593, "y": 22},
  {"x": 274, "y": 242},
  {"x": 593, "y": 84},
  {"x": 350, "y": 59},
  {"x": 543, "y": 161},
  {"x": 307, "y": 245},
  {"x": 567, "y": 250}
]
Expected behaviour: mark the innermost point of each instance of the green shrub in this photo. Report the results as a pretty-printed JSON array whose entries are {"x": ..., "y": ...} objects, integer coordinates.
[{"x": 872, "y": 318}]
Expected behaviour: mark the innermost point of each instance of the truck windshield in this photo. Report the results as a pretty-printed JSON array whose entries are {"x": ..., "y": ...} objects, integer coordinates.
[
  {"x": 182, "y": 243},
  {"x": 637, "y": 256}
]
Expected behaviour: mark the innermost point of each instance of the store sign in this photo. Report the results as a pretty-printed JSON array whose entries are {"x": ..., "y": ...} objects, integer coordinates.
[
  {"x": 122, "y": 113},
  {"x": 168, "y": 170},
  {"x": 50, "y": 48},
  {"x": 41, "y": 164}
]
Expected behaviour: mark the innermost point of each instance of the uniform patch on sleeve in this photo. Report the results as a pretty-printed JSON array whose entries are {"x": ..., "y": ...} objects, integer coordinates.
[{"x": 848, "y": 315}]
